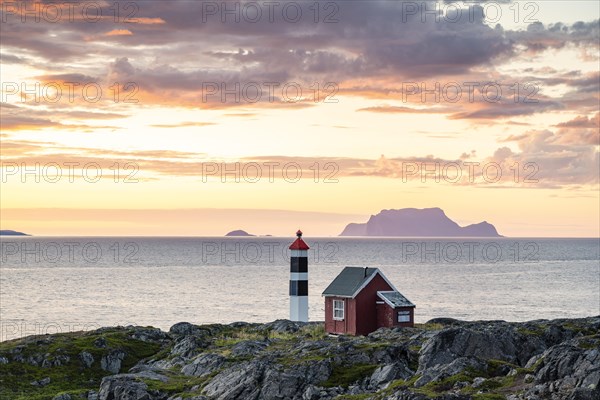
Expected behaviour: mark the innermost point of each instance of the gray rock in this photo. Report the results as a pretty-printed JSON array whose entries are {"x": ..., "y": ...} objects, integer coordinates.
[
  {"x": 123, "y": 387},
  {"x": 111, "y": 362},
  {"x": 64, "y": 396},
  {"x": 151, "y": 335},
  {"x": 248, "y": 348},
  {"x": 100, "y": 343},
  {"x": 185, "y": 329},
  {"x": 460, "y": 384},
  {"x": 477, "y": 382},
  {"x": 42, "y": 382},
  {"x": 387, "y": 373},
  {"x": 86, "y": 359},
  {"x": 490, "y": 341},
  {"x": 533, "y": 360},
  {"x": 568, "y": 371},
  {"x": 238, "y": 382},
  {"x": 442, "y": 371},
  {"x": 189, "y": 346},
  {"x": 168, "y": 363},
  {"x": 3, "y": 360},
  {"x": 37, "y": 359},
  {"x": 284, "y": 326},
  {"x": 92, "y": 395},
  {"x": 204, "y": 364},
  {"x": 48, "y": 361},
  {"x": 265, "y": 380},
  {"x": 311, "y": 393},
  {"x": 147, "y": 374},
  {"x": 292, "y": 382}
]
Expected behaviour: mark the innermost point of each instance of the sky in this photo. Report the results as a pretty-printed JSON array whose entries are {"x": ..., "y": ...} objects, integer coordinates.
[{"x": 195, "y": 118}]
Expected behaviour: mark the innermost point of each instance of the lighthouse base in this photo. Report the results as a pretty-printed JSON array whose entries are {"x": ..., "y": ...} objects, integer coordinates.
[{"x": 299, "y": 308}]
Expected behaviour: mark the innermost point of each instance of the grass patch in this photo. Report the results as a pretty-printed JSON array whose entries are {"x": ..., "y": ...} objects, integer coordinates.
[
  {"x": 72, "y": 376},
  {"x": 363, "y": 396},
  {"x": 589, "y": 342},
  {"x": 488, "y": 396},
  {"x": 345, "y": 375},
  {"x": 430, "y": 326},
  {"x": 497, "y": 367},
  {"x": 177, "y": 384},
  {"x": 434, "y": 388},
  {"x": 229, "y": 337},
  {"x": 535, "y": 331}
]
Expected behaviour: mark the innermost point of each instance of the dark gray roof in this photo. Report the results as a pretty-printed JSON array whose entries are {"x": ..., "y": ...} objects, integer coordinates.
[
  {"x": 395, "y": 299},
  {"x": 348, "y": 281}
]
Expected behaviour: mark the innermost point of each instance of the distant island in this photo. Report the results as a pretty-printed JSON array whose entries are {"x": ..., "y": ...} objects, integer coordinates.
[
  {"x": 414, "y": 222},
  {"x": 239, "y": 232},
  {"x": 12, "y": 233}
]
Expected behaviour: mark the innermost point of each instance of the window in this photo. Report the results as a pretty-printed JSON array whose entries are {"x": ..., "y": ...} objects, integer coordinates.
[
  {"x": 338, "y": 310},
  {"x": 403, "y": 316}
]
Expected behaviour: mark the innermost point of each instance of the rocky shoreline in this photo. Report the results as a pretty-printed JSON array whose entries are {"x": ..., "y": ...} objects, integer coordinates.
[{"x": 443, "y": 359}]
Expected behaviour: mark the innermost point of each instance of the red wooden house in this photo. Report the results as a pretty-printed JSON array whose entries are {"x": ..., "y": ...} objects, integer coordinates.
[{"x": 361, "y": 300}]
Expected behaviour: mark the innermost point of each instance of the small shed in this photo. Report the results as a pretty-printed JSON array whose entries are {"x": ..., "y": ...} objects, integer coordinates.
[{"x": 361, "y": 300}]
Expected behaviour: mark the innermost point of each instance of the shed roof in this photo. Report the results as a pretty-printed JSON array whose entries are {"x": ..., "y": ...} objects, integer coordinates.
[
  {"x": 395, "y": 299},
  {"x": 351, "y": 280}
]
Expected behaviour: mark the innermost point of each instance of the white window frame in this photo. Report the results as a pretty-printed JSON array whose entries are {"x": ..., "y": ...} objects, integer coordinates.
[
  {"x": 405, "y": 314},
  {"x": 339, "y": 306}
]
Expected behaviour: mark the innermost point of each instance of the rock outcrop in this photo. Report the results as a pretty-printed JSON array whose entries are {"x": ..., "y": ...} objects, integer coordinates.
[{"x": 442, "y": 359}]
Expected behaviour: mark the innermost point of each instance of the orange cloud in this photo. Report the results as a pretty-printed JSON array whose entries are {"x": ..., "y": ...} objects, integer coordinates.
[
  {"x": 119, "y": 32},
  {"x": 147, "y": 21}
]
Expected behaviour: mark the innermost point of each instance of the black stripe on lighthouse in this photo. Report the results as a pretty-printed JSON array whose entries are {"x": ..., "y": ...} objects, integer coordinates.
[
  {"x": 298, "y": 288},
  {"x": 299, "y": 264}
]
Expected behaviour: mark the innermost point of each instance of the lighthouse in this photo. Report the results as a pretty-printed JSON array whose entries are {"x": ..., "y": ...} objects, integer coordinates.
[{"x": 299, "y": 280}]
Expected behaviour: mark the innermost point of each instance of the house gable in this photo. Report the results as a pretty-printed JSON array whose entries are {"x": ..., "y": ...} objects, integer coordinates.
[{"x": 366, "y": 303}]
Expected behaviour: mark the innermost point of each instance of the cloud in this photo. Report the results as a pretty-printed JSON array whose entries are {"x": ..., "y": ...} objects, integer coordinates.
[
  {"x": 543, "y": 160},
  {"x": 559, "y": 161},
  {"x": 580, "y": 130},
  {"x": 183, "y": 124},
  {"x": 159, "y": 50},
  {"x": 582, "y": 122},
  {"x": 402, "y": 110},
  {"x": 538, "y": 38},
  {"x": 11, "y": 59},
  {"x": 15, "y": 118},
  {"x": 119, "y": 32}
]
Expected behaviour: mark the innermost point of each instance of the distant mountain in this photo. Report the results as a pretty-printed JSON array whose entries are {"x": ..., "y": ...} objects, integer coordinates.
[
  {"x": 239, "y": 232},
  {"x": 12, "y": 233},
  {"x": 414, "y": 222}
]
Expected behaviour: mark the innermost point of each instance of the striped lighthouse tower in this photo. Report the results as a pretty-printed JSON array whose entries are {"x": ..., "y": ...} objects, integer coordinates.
[{"x": 299, "y": 280}]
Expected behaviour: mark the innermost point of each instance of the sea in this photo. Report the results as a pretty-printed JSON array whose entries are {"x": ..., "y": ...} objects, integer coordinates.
[{"x": 62, "y": 284}]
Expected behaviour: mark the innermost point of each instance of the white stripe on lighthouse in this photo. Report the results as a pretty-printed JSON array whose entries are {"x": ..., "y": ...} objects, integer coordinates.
[
  {"x": 298, "y": 276},
  {"x": 299, "y": 253},
  {"x": 299, "y": 308}
]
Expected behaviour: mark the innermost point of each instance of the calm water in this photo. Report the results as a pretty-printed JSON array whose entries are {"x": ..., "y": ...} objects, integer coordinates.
[{"x": 59, "y": 284}]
